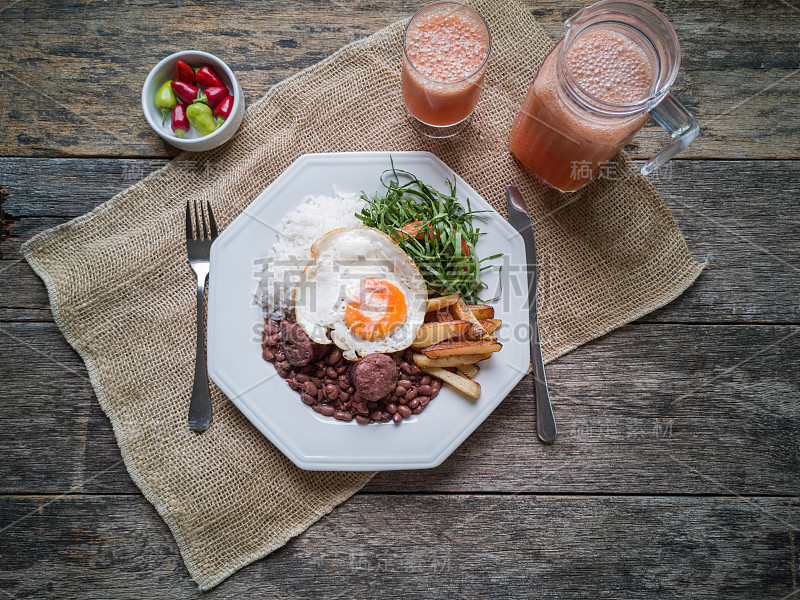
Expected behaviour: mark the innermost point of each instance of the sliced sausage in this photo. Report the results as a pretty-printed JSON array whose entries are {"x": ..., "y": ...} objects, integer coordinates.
[
  {"x": 297, "y": 346},
  {"x": 374, "y": 376}
]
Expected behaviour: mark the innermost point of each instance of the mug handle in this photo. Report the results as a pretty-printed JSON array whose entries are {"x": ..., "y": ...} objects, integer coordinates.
[{"x": 679, "y": 123}]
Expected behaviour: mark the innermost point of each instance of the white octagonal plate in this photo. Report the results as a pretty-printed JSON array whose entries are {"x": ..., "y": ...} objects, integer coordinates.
[{"x": 235, "y": 319}]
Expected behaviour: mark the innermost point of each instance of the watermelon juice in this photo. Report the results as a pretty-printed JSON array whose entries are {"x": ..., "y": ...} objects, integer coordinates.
[{"x": 446, "y": 47}]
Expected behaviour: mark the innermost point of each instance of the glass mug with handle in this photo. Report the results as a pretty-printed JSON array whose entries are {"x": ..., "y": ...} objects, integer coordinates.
[{"x": 601, "y": 83}]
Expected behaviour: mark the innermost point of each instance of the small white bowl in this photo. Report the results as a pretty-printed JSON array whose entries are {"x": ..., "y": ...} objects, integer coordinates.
[{"x": 192, "y": 141}]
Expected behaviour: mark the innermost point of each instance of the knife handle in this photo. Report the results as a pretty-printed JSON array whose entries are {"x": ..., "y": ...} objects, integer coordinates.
[{"x": 545, "y": 421}]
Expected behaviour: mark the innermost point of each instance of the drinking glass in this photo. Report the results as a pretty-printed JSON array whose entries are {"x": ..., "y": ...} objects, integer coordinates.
[
  {"x": 565, "y": 133},
  {"x": 445, "y": 49}
]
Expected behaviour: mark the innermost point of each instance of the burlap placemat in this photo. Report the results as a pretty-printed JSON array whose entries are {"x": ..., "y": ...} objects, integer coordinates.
[{"x": 123, "y": 294}]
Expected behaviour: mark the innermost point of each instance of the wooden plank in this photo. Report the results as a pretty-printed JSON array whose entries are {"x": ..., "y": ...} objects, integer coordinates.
[
  {"x": 462, "y": 546},
  {"x": 648, "y": 409},
  {"x": 738, "y": 72},
  {"x": 740, "y": 216}
]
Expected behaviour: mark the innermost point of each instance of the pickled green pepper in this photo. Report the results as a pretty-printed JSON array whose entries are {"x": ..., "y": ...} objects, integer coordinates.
[
  {"x": 165, "y": 100},
  {"x": 201, "y": 118}
]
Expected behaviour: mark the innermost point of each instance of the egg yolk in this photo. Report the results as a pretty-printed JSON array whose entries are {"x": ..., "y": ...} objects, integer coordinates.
[{"x": 379, "y": 309}]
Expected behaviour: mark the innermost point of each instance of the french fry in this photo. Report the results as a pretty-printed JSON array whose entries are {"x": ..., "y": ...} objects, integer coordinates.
[
  {"x": 459, "y": 347},
  {"x": 462, "y": 313},
  {"x": 443, "y": 316},
  {"x": 450, "y": 361},
  {"x": 481, "y": 311},
  {"x": 491, "y": 325},
  {"x": 468, "y": 370},
  {"x": 461, "y": 383},
  {"x": 441, "y": 302},
  {"x": 433, "y": 333}
]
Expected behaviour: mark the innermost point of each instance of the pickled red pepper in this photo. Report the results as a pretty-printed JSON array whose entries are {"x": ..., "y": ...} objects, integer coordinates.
[
  {"x": 215, "y": 94},
  {"x": 180, "y": 124},
  {"x": 223, "y": 110},
  {"x": 187, "y": 93},
  {"x": 205, "y": 76},
  {"x": 184, "y": 72}
]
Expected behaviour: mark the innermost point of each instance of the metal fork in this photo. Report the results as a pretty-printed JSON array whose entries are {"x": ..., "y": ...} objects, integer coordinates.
[{"x": 198, "y": 246}]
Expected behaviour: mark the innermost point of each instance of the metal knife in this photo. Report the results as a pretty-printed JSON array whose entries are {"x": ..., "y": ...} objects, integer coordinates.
[{"x": 520, "y": 218}]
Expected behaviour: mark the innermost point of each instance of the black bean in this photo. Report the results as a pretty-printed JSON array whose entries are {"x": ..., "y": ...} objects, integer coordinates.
[
  {"x": 363, "y": 420},
  {"x": 405, "y": 368},
  {"x": 398, "y": 418},
  {"x": 302, "y": 377},
  {"x": 405, "y": 383},
  {"x": 343, "y": 415},
  {"x": 399, "y": 391},
  {"x": 391, "y": 408},
  {"x": 372, "y": 405},
  {"x": 376, "y": 415},
  {"x": 294, "y": 384},
  {"x": 423, "y": 400},
  {"x": 415, "y": 370},
  {"x": 404, "y": 410},
  {"x": 413, "y": 403},
  {"x": 356, "y": 396},
  {"x": 308, "y": 399},
  {"x": 344, "y": 396},
  {"x": 385, "y": 416},
  {"x": 310, "y": 388},
  {"x": 436, "y": 384},
  {"x": 270, "y": 329},
  {"x": 417, "y": 410},
  {"x": 426, "y": 380},
  {"x": 315, "y": 408},
  {"x": 340, "y": 370},
  {"x": 320, "y": 373},
  {"x": 331, "y": 391},
  {"x": 425, "y": 390},
  {"x": 279, "y": 356},
  {"x": 434, "y": 393},
  {"x": 331, "y": 372},
  {"x": 401, "y": 400},
  {"x": 327, "y": 410},
  {"x": 412, "y": 393},
  {"x": 333, "y": 357},
  {"x": 283, "y": 372},
  {"x": 266, "y": 354}
]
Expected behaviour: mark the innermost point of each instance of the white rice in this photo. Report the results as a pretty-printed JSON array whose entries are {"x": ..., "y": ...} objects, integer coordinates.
[{"x": 316, "y": 216}]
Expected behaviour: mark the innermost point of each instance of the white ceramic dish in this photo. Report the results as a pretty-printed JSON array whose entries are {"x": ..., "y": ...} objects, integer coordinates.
[
  {"x": 235, "y": 320},
  {"x": 192, "y": 141}
]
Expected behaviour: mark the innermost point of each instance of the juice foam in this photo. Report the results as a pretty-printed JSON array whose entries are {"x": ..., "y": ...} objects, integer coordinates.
[
  {"x": 610, "y": 67},
  {"x": 446, "y": 45}
]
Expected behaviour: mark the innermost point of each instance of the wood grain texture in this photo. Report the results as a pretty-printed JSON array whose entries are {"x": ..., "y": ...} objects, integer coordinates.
[
  {"x": 462, "y": 546},
  {"x": 739, "y": 216},
  {"x": 649, "y": 409},
  {"x": 76, "y": 91}
]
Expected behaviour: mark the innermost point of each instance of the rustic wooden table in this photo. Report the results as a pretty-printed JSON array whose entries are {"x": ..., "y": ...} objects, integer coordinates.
[{"x": 677, "y": 469}]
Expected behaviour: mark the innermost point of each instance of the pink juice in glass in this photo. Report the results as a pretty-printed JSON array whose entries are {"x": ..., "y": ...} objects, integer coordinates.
[{"x": 445, "y": 50}]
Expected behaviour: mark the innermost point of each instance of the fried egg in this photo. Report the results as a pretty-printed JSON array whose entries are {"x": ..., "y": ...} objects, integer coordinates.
[{"x": 360, "y": 292}]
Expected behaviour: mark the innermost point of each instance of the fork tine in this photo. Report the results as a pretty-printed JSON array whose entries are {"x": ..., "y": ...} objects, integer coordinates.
[
  {"x": 212, "y": 221},
  {"x": 203, "y": 215},
  {"x": 196, "y": 220},
  {"x": 189, "y": 235}
]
